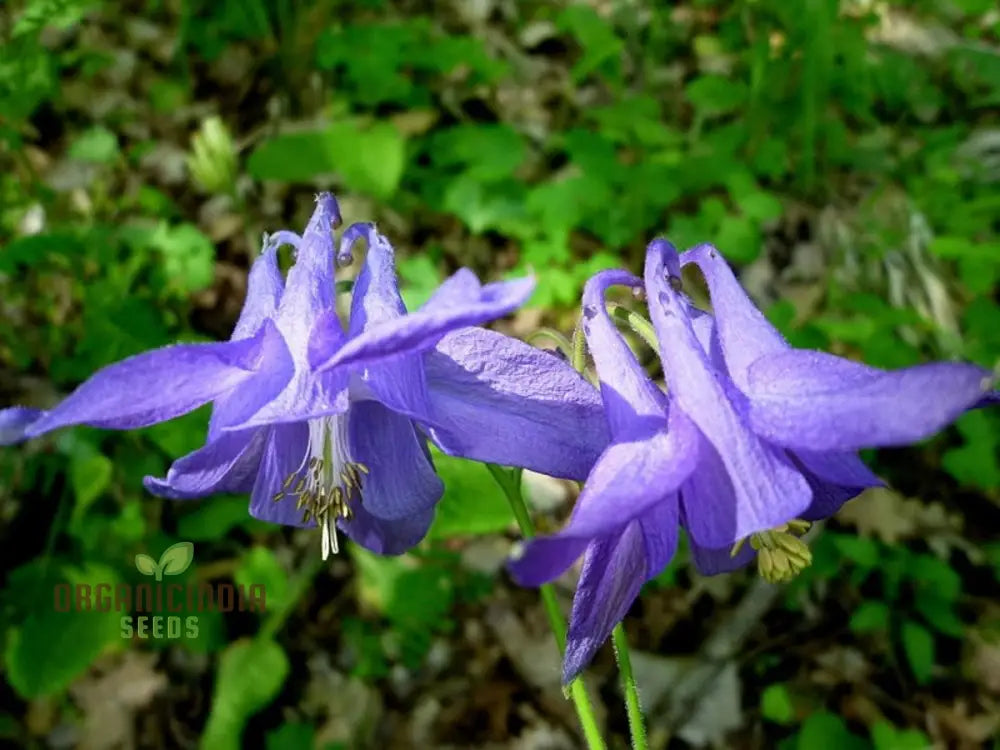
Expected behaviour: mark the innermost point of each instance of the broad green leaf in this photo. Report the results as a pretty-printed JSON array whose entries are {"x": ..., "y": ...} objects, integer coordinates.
[
  {"x": 485, "y": 153},
  {"x": 176, "y": 558},
  {"x": 182, "y": 435},
  {"x": 935, "y": 577},
  {"x": 759, "y": 206},
  {"x": 976, "y": 463},
  {"x": 98, "y": 145},
  {"x": 420, "y": 277},
  {"x": 918, "y": 645},
  {"x": 260, "y": 566},
  {"x": 250, "y": 675},
  {"x": 188, "y": 256},
  {"x": 290, "y": 737},
  {"x": 293, "y": 157},
  {"x": 472, "y": 502},
  {"x": 886, "y": 737},
  {"x": 370, "y": 160},
  {"x": 89, "y": 475},
  {"x": 214, "y": 517},
  {"x": 739, "y": 239},
  {"x": 860, "y": 550},
  {"x": 940, "y": 614},
  {"x": 50, "y": 649},
  {"x": 824, "y": 731},
  {"x": 596, "y": 36},
  {"x": 145, "y": 564},
  {"x": 776, "y": 704},
  {"x": 869, "y": 617},
  {"x": 715, "y": 95}
]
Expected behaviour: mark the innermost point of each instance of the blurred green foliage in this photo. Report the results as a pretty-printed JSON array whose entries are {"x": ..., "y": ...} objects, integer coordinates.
[{"x": 561, "y": 141}]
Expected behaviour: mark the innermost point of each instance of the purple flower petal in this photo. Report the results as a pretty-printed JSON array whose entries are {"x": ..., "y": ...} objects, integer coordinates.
[
  {"x": 841, "y": 468},
  {"x": 401, "y": 480},
  {"x": 376, "y": 298},
  {"x": 816, "y": 401},
  {"x": 990, "y": 399},
  {"x": 284, "y": 454},
  {"x": 14, "y": 423},
  {"x": 712, "y": 561},
  {"x": 265, "y": 285},
  {"x": 309, "y": 293},
  {"x": 424, "y": 328},
  {"x": 386, "y": 537},
  {"x": 164, "y": 383},
  {"x": 227, "y": 464},
  {"x": 633, "y": 404},
  {"x": 494, "y": 398},
  {"x": 545, "y": 558},
  {"x": 834, "y": 478},
  {"x": 710, "y": 503},
  {"x": 744, "y": 332},
  {"x": 614, "y": 571},
  {"x": 768, "y": 490},
  {"x": 629, "y": 480}
]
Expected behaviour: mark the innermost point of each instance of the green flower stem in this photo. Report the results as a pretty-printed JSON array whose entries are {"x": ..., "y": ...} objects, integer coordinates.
[
  {"x": 636, "y": 724},
  {"x": 642, "y": 327},
  {"x": 579, "y": 358},
  {"x": 553, "y": 335},
  {"x": 510, "y": 483}
]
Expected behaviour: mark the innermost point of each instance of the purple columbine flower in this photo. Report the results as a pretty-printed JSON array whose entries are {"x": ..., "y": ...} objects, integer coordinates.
[
  {"x": 345, "y": 446},
  {"x": 627, "y": 515},
  {"x": 754, "y": 439},
  {"x": 781, "y": 426}
]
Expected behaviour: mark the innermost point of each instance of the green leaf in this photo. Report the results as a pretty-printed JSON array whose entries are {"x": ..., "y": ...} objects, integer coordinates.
[
  {"x": 421, "y": 278},
  {"x": 472, "y": 502},
  {"x": 940, "y": 613},
  {"x": 145, "y": 564},
  {"x": 869, "y": 617},
  {"x": 370, "y": 160},
  {"x": 596, "y": 36},
  {"x": 977, "y": 462},
  {"x": 214, "y": 517},
  {"x": 51, "y": 649},
  {"x": 760, "y": 206},
  {"x": 89, "y": 476},
  {"x": 485, "y": 153},
  {"x": 188, "y": 256},
  {"x": 260, "y": 566},
  {"x": 823, "y": 731},
  {"x": 862, "y": 551},
  {"x": 98, "y": 145},
  {"x": 292, "y": 157},
  {"x": 176, "y": 558},
  {"x": 886, "y": 737},
  {"x": 935, "y": 577},
  {"x": 776, "y": 704},
  {"x": 739, "y": 239},
  {"x": 250, "y": 675},
  {"x": 918, "y": 645},
  {"x": 715, "y": 95},
  {"x": 290, "y": 737}
]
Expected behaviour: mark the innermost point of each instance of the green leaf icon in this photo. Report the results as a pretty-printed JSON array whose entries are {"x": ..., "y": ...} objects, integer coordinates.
[
  {"x": 176, "y": 558},
  {"x": 145, "y": 564}
]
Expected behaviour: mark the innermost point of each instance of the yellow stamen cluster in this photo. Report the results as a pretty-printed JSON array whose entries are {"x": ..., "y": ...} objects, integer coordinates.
[
  {"x": 781, "y": 555},
  {"x": 321, "y": 499}
]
